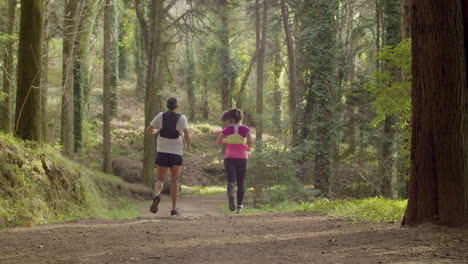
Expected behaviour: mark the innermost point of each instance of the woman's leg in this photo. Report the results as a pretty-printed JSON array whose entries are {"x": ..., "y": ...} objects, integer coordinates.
[
  {"x": 230, "y": 167},
  {"x": 175, "y": 175},
  {"x": 160, "y": 177},
  {"x": 241, "y": 172}
]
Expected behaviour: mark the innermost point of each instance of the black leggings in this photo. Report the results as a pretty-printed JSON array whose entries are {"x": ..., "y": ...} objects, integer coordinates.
[{"x": 236, "y": 170}]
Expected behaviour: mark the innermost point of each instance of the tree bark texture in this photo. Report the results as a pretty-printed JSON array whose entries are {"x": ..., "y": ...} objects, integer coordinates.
[
  {"x": 114, "y": 58},
  {"x": 153, "y": 90},
  {"x": 70, "y": 28},
  {"x": 45, "y": 72},
  {"x": 107, "y": 161},
  {"x": 291, "y": 73},
  {"x": 319, "y": 33},
  {"x": 8, "y": 74},
  {"x": 260, "y": 43},
  {"x": 28, "y": 100},
  {"x": 82, "y": 68},
  {"x": 223, "y": 35},
  {"x": 438, "y": 190}
]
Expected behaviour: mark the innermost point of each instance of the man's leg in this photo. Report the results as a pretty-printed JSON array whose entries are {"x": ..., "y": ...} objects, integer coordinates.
[
  {"x": 160, "y": 178},
  {"x": 175, "y": 174}
]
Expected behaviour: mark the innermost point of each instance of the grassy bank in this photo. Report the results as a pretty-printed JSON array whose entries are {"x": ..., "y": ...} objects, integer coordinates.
[
  {"x": 38, "y": 185},
  {"x": 376, "y": 209}
]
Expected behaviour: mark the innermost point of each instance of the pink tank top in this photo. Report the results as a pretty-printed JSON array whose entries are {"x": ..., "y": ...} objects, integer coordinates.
[{"x": 235, "y": 140}]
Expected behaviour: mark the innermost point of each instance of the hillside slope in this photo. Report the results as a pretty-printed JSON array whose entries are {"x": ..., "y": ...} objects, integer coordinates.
[{"x": 38, "y": 185}]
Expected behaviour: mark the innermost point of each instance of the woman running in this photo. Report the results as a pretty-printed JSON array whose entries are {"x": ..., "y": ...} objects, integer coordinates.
[{"x": 238, "y": 140}]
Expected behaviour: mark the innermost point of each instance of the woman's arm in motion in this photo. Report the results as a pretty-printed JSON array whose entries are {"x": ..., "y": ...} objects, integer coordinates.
[
  {"x": 221, "y": 139},
  {"x": 249, "y": 141}
]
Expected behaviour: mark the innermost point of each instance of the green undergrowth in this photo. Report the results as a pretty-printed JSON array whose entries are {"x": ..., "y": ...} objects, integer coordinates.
[
  {"x": 38, "y": 185},
  {"x": 202, "y": 190},
  {"x": 376, "y": 209}
]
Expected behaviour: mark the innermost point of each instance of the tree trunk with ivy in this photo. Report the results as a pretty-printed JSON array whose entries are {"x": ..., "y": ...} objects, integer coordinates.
[
  {"x": 438, "y": 190},
  {"x": 260, "y": 29},
  {"x": 45, "y": 71},
  {"x": 153, "y": 90},
  {"x": 319, "y": 32},
  {"x": 82, "y": 68},
  {"x": 8, "y": 74},
  {"x": 107, "y": 154},
  {"x": 28, "y": 97},
  {"x": 70, "y": 29},
  {"x": 291, "y": 73},
  {"x": 114, "y": 55},
  {"x": 223, "y": 35},
  {"x": 190, "y": 79}
]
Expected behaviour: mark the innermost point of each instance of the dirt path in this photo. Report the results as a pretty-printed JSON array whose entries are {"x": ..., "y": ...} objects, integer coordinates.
[{"x": 217, "y": 238}]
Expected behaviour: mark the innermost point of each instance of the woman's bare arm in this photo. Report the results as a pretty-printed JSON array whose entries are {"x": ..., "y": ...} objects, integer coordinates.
[
  {"x": 221, "y": 139},
  {"x": 249, "y": 141}
]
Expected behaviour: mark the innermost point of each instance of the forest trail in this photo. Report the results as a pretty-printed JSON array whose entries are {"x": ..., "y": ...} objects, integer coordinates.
[{"x": 297, "y": 237}]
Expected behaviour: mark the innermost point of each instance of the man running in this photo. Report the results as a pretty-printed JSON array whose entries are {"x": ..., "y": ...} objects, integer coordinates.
[{"x": 170, "y": 148}]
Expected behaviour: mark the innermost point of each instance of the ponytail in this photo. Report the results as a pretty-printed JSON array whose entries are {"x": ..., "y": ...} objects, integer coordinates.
[{"x": 234, "y": 115}]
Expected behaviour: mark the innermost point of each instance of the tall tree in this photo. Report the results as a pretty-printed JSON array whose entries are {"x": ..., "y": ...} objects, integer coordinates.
[
  {"x": 45, "y": 70},
  {"x": 438, "y": 190},
  {"x": 291, "y": 73},
  {"x": 260, "y": 55},
  {"x": 28, "y": 105},
  {"x": 107, "y": 162},
  {"x": 223, "y": 35},
  {"x": 190, "y": 79},
  {"x": 70, "y": 29},
  {"x": 114, "y": 55},
  {"x": 152, "y": 93},
  {"x": 319, "y": 34},
  {"x": 81, "y": 70},
  {"x": 392, "y": 21},
  {"x": 6, "y": 105}
]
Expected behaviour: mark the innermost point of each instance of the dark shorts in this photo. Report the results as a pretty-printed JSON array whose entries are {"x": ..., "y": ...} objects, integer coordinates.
[{"x": 168, "y": 159}]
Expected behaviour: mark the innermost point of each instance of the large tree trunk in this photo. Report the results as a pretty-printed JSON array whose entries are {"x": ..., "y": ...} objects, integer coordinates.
[
  {"x": 28, "y": 100},
  {"x": 291, "y": 73},
  {"x": 321, "y": 67},
  {"x": 70, "y": 28},
  {"x": 8, "y": 75},
  {"x": 152, "y": 93},
  {"x": 107, "y": 161},
  {"x": 260, "y": 52},
  {"x": 438, "y": 190},
  {"x": 82, "y": 69}
]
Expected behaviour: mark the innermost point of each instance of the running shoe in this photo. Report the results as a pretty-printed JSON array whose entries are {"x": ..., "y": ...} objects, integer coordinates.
[
  {"x": 154, "y": 206},
  {"x": 232, "y": 206},
  {"x": 175, "y": 213},
  {"x": 239, "y": 209}
]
